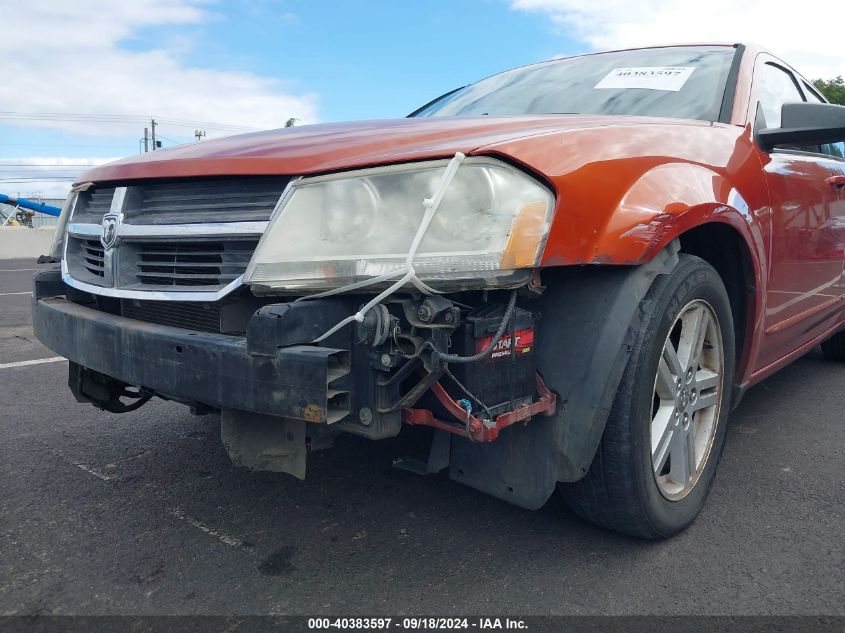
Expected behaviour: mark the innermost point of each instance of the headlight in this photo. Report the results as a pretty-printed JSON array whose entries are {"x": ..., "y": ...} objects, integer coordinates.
[
  {"x": 58, "y": 246},
  {"x": 337, "y": 229}
]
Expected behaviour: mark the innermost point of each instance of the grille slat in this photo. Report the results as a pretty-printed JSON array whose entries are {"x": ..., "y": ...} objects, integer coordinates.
[
  {"x": 197, "y": 263},
  {"x": 86, "y": 259},
  {"x": 238, "y": 199},
  {"x": 183, "y": 256},
  {"x": 151, "y": 265},
  {"x": 216, "y": 278},
  {"x": 157, "y": 198},
  {"x": 176, "y": 206},
  {"x": 93, "y": 204}
]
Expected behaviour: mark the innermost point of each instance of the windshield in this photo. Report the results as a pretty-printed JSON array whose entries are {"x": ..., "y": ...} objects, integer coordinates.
[{"x": 683, "y": 82}]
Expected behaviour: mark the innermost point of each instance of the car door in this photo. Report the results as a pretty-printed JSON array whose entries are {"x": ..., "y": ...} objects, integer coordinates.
[
  {"x": 832, "y": 234},
  {"x": 805, "y": 282}
]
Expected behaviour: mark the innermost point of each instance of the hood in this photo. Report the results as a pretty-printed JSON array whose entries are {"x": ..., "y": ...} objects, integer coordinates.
[{"x": 334, "y": 146}]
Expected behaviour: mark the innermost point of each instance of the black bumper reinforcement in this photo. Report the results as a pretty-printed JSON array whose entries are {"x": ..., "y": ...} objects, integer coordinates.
[{"x": 305, "y": 382}]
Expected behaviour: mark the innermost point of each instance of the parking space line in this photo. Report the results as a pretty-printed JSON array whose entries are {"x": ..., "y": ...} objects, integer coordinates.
[
  {"x": 231, "y": 541},
  {"x": 3, "y": 294},
  {"x": 93, "y": 471},
  {"x": 37, "y": 361},
  {"x": 15, "y": 270},
  {"x": 84, "y": 467}
]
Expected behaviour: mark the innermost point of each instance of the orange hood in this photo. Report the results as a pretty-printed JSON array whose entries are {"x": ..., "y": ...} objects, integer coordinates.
[{"x": 335, "y": 146}]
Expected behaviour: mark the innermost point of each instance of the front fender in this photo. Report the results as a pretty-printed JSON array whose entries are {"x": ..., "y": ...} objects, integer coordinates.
[
  {"x": 624, "y": 191},
  {"x": 664, "y": 203}
]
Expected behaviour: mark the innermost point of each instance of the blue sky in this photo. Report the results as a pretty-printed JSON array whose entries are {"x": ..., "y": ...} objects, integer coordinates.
[
  {"x": 378, "y": 59},
  {"x": 233, "y": 65},
  {"x": 359, "y": 60}
]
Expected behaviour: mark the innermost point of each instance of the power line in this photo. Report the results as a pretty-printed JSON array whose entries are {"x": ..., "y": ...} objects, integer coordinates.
[
  {"x": 50, "y": 164},
  {"x": 63, "y": 144},
  {"x": 116, "y": 118},
  {"x": 8, "y": 114},
  {"x": 42, "y": 179},
  {"x": 41, "y": 174}
]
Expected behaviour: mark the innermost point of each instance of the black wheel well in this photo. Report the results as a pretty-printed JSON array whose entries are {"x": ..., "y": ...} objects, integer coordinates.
[{"x": 722, "y": 246}]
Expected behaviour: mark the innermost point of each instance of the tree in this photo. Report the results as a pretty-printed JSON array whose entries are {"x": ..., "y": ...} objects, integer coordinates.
[
  {"x": 832, "y": 89},
  {"x": 292, "y": 121}
]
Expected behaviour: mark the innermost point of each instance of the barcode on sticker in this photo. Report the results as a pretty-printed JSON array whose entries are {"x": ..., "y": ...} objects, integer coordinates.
[{"x": 670, "y": 78}]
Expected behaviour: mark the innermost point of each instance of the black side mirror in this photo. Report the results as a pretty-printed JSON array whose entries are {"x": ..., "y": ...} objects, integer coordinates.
[{"x": 805, "y": 124}]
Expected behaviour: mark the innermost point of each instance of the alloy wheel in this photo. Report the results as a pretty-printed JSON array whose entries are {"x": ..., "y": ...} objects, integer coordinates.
[{"x": 687, "y": 399}]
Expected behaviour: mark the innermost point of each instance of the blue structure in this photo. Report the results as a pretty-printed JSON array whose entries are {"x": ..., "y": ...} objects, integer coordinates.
[{"x": 31, "y": 205}]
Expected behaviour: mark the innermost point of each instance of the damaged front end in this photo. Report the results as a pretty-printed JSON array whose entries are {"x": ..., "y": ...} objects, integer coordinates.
[
  {"x": 348, "y": 302},
  {"x": 464, "y": 367},
  {"x": 497, "y": 426}
]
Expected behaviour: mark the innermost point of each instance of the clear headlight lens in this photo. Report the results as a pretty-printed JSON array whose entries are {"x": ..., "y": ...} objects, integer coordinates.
[
  {"x": 337, "y": 229},
  {"x": 58, "y": 246}
]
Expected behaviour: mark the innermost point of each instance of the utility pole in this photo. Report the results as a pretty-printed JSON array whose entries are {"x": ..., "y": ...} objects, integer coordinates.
[
  {"x": 153, "y": 125},
  {"x": 146, "y": 140},
  {"x": 199, "y": 134}
]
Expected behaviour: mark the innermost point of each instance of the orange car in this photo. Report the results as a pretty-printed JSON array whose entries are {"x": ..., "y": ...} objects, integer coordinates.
[{"x": 570, "y": 271}]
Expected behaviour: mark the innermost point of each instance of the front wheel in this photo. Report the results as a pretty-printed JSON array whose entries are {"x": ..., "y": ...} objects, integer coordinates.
[{"x": 665, "y": 433}]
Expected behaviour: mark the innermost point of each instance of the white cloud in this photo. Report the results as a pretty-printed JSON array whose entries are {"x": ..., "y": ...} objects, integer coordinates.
[
  {"x": 797, "y": 33},
  {"x": 72, "y": 57}
]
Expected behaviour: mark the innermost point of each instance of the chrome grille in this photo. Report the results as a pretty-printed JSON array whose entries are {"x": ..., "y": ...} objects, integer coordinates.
[
  {"x": 86, "y": 260},
  {"x": 93, "y": 257},
  {"x": 191, "y": 238},
  {"x": 197, "y": 263},
  {"x": 93, "y": 204},
  {"x": 242, "y": 199}
]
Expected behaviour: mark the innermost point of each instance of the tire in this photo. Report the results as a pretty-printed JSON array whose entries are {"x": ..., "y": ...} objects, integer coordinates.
[
  {"x": 621, "y": 491},
  {"x": 834, "y": 347}
]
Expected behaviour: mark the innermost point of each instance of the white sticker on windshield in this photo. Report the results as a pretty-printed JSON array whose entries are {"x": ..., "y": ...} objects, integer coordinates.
[{"x": 671, "y": 78}]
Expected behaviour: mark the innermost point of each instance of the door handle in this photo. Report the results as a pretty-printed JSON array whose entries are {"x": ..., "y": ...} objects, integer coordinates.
[{"x": 837, "y": 182}]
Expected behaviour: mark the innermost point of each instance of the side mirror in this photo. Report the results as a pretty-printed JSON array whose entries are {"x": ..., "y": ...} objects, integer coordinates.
[{"x": 805, "y": 124}]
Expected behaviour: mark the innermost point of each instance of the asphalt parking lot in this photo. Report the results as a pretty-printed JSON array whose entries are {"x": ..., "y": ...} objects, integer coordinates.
[{"x": 144, "y": 514}]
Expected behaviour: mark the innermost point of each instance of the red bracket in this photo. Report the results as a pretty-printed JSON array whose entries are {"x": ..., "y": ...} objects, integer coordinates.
[{"x": 476, "y": 429}]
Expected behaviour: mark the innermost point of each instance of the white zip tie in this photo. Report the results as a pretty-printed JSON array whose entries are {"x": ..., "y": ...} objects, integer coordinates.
[{"x": 407, "y": 272}]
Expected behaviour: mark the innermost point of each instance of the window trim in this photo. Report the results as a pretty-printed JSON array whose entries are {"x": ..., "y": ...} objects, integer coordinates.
[
  {"x": 798, "y": 80},
  {"x": 788, "y": 72},
  {"x": 807, "y": 86},
  {"x": 756, "y": 80},
  {"x": 731, "y": 85}
]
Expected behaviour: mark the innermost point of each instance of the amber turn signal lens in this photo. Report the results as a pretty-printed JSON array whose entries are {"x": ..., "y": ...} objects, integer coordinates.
[{"x": 529, "y": 229}]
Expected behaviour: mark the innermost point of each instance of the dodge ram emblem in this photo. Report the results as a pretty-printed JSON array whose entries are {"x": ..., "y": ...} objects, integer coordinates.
[{"x": 108, "y": 234}]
